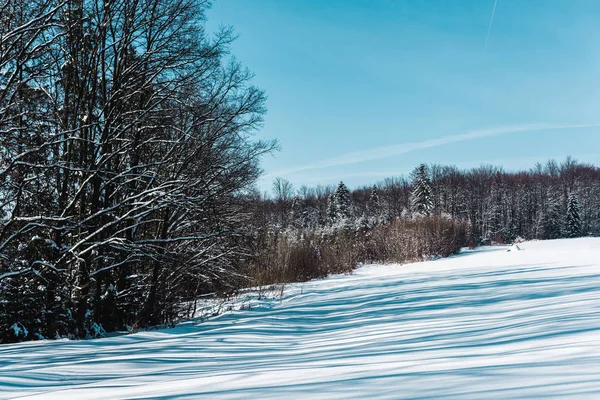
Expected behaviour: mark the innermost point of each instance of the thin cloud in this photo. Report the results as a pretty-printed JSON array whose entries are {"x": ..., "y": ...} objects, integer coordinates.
[
  {"x": 490, "y": 26},
  {"x": 403, "y": 148}
]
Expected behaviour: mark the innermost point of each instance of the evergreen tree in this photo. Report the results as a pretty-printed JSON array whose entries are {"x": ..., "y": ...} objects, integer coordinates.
[
  {"x": 550, "y": 220},
  {"x": 573, "y": 220},
  {"x": 422, "y": 198},
  {"x": 342, "y": 202}
]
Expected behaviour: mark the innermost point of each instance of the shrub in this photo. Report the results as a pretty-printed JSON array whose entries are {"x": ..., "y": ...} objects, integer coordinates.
[{"x": 300, "y": 255}]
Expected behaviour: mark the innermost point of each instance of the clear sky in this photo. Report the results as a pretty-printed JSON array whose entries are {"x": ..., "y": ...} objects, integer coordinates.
[{"x": 360, "y": 90}]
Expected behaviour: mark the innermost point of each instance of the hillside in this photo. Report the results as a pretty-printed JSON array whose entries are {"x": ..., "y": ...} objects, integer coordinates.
[{"x": 483, "y": 324}]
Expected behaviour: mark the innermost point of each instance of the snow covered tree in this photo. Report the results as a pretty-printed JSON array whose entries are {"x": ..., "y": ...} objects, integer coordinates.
[
  {"x": 342, "y": 202},
  {"x": 496, "y": 228},
  {"x": 339, "y": 207},
  {"x": 550, "y": 219},
  {"x": 126, "y": 149},
  {"x": 422, "y": 198},
  {"x": 573, "y": 219},
  {"x": 331, "y": 210}
]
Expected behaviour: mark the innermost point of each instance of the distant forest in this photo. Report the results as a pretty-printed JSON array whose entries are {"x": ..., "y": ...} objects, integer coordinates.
[
  {"x": 550, "y": 201},
  {"x": 312, "y": 231},
  {"x": 128, "y": 168}
]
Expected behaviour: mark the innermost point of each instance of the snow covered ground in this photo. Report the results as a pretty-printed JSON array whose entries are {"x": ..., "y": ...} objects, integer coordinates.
[{"x": 484, "y": 324}]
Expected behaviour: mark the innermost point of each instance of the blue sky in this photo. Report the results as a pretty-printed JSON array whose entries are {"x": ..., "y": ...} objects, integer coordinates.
[{"x": 360, "y": 90}]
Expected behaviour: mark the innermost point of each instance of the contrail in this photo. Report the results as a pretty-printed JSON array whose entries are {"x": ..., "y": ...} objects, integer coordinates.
[
  {"x": 403, "y": 148},
  {"x": 490, "y": 26}
]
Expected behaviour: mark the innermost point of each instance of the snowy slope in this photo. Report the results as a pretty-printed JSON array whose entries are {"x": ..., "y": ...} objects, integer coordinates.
[{"x": 485, "y": 324}]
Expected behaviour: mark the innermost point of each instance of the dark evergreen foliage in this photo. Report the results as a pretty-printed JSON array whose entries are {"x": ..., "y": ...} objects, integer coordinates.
[
  {"x": 422, "y": 197},
  {"x": 342, "y": 201},
  {"x": 551, "y": 219},
  {"x": 573, "y": 219}
]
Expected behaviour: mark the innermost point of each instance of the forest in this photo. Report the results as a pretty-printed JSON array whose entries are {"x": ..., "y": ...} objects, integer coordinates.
[
  {"x": 433, "y": 212},
  {"x": 128, "y": 171}
]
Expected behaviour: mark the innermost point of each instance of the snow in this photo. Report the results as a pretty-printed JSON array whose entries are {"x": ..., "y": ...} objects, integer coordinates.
[
  {"x": 514, "y": 247},
  {"x": 484, "y": 324},
  {"x": 19, "y": 330}
]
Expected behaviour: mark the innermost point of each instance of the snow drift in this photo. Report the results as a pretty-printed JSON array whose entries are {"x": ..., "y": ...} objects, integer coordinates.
[{"x": 484, "y": 324}]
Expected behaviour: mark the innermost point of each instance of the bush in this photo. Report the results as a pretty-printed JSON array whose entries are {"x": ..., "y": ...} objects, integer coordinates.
[{"x": 301, "y": 255}]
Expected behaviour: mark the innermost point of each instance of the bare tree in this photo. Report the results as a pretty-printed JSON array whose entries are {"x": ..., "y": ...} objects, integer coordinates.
[
  {"x": 283, "y": 190},
  {"x": 127, "y": 151}
]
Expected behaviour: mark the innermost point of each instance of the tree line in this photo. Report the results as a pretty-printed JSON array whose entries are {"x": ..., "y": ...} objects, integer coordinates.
[
  {"x": 313, "y": 231},
  {"x": 549, "y": 201}
]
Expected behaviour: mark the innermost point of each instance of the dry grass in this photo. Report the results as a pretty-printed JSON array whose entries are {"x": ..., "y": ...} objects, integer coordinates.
[{"x": 297, "y": 256}]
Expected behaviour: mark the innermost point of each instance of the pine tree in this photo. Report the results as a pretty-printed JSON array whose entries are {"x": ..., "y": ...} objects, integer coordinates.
[
  {"x": 342, "y": 202},
  {"x": 550, "y": 221},
  {"x": 339, "y": 207},
  {"x": 573, "y": 220},
  {"x": 422, "y": 198}
]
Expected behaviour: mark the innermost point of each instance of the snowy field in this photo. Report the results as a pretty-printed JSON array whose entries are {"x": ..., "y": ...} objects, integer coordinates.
[{"x": 484, "y": 324}]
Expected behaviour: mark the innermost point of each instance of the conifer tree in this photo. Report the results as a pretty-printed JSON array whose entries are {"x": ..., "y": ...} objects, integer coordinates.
[
  {"x": 342, "y": 202},
  {"x": 422, "y": 198},
  {"x": 551, "y": 219},
  {"x": 573, "y": 220}
]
